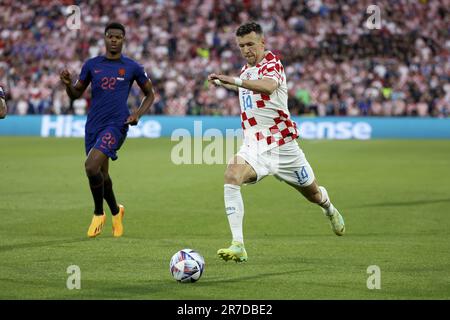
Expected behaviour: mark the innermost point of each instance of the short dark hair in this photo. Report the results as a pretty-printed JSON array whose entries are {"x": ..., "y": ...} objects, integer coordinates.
[
  {"x": 249, "y": 27},
  {"x": 115, "y": 25}
]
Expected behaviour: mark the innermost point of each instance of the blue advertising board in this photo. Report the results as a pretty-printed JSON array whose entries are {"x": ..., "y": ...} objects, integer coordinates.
[{"x": 361, "y": 128}]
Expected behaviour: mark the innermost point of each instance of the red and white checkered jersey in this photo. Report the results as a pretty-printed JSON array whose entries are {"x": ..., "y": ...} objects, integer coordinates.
[{"x": 265, "y": 118}]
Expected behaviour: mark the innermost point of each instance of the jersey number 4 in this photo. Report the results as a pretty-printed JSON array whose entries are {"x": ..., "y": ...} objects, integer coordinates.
[{"x": 108, "y": 83}]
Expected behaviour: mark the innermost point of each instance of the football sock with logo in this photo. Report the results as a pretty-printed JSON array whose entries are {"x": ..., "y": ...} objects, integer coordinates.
[
  {"x": 234, "y": 207},
  {"x": 325, "y": 203},
  {"x": 109, "y": 196},
  {"x": 97, "y": 190}
]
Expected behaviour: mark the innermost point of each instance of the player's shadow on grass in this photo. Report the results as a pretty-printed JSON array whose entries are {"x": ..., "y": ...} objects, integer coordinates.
[
  {"x": 144, "y": 290},
  {"x": 402, "y": 203},
  {"x": 40, "y": 244},
  {"x": 212, "y": 281}
]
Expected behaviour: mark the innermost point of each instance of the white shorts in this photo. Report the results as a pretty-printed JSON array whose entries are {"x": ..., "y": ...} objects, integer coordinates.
[{"x": 287, "y": 163}]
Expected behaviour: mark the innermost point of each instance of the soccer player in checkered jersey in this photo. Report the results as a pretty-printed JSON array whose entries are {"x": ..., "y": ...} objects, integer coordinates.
[
  {"x": 269, "y": 146},
  {"x": 2, "y": 104},
  {"x": 111, "y": 77}
]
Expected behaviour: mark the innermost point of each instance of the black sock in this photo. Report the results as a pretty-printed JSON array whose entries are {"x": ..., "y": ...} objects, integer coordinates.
[
  {"x": 97, "y": 189},
  {"x": 109, "y": 196}
]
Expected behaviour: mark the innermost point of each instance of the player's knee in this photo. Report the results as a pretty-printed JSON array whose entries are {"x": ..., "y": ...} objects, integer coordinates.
[
  {"x": 91, "y": 169},
  {"x": 232, "y": 177}
]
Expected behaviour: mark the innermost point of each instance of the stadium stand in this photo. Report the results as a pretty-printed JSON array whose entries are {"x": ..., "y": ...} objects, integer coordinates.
[{"x": 335, "y": 65}]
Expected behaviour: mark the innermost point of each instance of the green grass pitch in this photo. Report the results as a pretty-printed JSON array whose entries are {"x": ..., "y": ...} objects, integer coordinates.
[{"x": 394, "y": 196}]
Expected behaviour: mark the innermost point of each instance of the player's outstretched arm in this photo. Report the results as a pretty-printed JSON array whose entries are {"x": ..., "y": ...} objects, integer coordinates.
[
  {"x": 3, "y": 109},
  {"x": 73, "y": 91},
  {"x": 146, "y": 103},
  {"x": 264, "y": 85},
  {"x": 212, "y": 79}
]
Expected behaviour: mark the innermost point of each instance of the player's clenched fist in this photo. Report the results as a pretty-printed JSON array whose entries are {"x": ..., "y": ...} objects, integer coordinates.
[
  {"x": 212, "y": 79},
  {"x": 66, "y": 77},
  {"x": 132, "y": 119}
]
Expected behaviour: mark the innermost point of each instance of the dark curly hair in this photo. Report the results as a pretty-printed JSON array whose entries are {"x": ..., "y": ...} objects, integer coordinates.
[
  {"x": 248, "y": 28},
  {"x": 115, "y": 25}
]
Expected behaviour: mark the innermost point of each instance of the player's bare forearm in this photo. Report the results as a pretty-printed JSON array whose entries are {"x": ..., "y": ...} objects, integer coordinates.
[
  {"x": 147, "y": 102},
  {"x": 230, "y": 86},
  {"x": 264, "y": 85},
  {"x": 3, "y": 109},
  {"x": 145, "y": 105},
  {"x": 212, "y": 79},
  {"x": 72, "y": 92},
  {"x": 2, "y": 104}
]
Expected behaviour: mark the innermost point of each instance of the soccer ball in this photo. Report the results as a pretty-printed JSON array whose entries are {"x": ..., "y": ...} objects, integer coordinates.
[{"x": 187, "y": 265}]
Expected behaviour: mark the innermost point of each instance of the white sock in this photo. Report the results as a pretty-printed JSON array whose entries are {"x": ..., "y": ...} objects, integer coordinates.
[
  {"x": 234, "y": 207},
  {"x": 325, "y": 203}
]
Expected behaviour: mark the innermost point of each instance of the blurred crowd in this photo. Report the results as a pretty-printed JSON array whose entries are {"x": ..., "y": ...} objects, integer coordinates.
[{"x": 335, "y": 64}]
